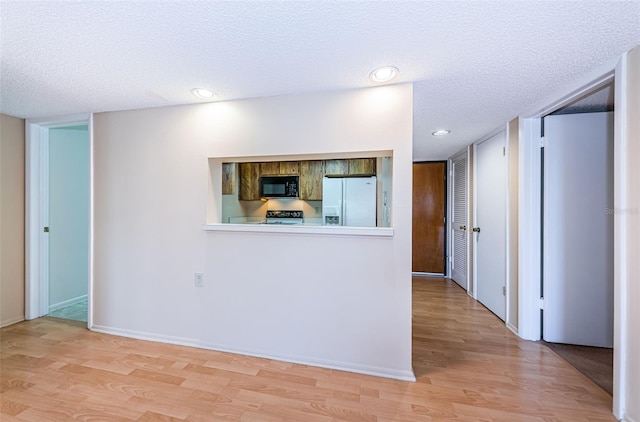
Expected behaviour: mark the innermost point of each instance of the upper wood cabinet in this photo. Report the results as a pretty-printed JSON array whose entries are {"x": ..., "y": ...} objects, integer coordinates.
[
  {"x": 350, "y": 167},
  {"x": 289, "y": 168},
  {"x": 282, "y": 168},
  {"x": 362, "y": 166},
  {"x": 271, "y": 168},
  {"x": 228, "y": 178},
  {"x": 311, "y": 173},
  {"x": 249, "y": 181},
  {"x": 336, "y": 167}
]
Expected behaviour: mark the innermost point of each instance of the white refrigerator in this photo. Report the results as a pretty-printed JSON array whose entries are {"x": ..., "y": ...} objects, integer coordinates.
[{"x": 349, "y": 201}]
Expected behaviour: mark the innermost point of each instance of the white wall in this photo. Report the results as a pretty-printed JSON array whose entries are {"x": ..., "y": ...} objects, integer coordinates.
[
  {"x": 329, "y": 300},
  {"x": 11, "y": 220},
  {"x": 68, "y": 215},
  {"x": 627, "y": 239}
]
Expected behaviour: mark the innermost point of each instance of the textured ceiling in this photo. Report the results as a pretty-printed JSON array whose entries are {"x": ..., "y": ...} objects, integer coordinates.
[{"x": 475, "y": 64}]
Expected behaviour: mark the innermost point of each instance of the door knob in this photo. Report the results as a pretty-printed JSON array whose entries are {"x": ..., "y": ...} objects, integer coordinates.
[
  {"x": 463, "y": 227},
  {"x": 476, "y": 229}
]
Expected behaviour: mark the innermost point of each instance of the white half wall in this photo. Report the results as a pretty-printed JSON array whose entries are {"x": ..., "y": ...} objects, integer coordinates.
[{"x": 338, "y": 301}]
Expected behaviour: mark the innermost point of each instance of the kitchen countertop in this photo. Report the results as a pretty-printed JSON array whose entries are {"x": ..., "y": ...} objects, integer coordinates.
[{"x": 302, "y": 229}]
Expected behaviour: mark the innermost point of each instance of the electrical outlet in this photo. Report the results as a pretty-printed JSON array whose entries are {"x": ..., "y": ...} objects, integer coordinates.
[{"x": 198, "y": 279}]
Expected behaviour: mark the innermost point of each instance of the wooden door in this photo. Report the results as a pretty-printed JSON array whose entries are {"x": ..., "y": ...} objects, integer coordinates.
[{"x": 429, "y": 207}]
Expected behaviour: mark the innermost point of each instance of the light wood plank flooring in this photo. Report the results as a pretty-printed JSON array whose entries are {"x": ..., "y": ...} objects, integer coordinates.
[{"x": 469, "y": 368}]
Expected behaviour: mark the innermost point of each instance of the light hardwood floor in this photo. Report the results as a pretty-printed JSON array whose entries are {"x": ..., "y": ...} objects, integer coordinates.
[{"x": 469, "y": 368}]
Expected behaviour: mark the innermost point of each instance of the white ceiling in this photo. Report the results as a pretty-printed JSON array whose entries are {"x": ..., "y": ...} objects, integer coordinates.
[{"x": 475, "y": 64}]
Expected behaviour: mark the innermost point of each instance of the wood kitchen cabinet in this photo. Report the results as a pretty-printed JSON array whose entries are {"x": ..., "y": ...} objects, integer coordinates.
[
  {"x": 289, "y": 168},
  {"x": 271, "y": 168},
  {"x": 350, "y": 167},
  {"x": 336, "y": 167},
  {"x": 249, "y": 181},
  {"x": 282, "y": 168},
  {"x": 362, "y": 166},
  {"x": 228, "y": 178},
  {"x": 311, "y": 173}
]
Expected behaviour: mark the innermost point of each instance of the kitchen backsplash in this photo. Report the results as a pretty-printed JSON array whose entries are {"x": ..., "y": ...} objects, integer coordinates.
[{"x": 233, "y": 209}]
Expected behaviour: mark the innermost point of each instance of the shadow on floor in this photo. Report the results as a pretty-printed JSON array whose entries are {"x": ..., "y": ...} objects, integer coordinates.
[{"x": 594, "y": 362}]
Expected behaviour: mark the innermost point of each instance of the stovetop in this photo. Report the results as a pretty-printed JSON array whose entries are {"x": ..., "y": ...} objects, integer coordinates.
[
  {"x": 285, "y": 217},
  {"x": 284, "y": 214}
]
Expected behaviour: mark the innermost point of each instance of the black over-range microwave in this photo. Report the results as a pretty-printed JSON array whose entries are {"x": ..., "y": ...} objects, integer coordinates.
[{"x": 279, "y": 186}]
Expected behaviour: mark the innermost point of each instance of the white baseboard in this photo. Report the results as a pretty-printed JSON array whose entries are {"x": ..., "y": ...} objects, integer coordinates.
[
  {"x": 322, "y": 363},
  {"x": 420, "y": 274},
  {"x": 66, "y": 303},
  {"x": 11, "y": 321}
]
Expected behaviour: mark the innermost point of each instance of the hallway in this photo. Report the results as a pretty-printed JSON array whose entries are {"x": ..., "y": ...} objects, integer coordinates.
[{"x": 470, "y": 366}]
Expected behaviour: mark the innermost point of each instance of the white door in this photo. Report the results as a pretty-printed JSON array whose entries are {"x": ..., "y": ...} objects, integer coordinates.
[
  {"x": 578, "y": 229},
  {"x": 459, "y": 220},
  {"x": 490, "y": 169}
]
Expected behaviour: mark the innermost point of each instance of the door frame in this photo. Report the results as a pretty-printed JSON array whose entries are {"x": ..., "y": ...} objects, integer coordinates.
[
  {"x": 37, "y": 212},
  {"x": 445, "y": 272},
  {"x": 529, "y": 214}
]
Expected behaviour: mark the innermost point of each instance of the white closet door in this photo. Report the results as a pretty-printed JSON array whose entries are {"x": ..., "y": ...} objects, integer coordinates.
[
  {"x": 459, "y": 220},
  {"x": 578, "y": 229},
  {"x": 491, "y": 219}
]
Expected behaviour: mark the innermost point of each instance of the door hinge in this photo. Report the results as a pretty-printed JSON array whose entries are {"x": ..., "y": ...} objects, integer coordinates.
[
  {"x": 46, "y": 229},
  {"x": 504, "y": 290},
  {"x": 504, "y": 151},
  {"x": 542, "y": 142}
]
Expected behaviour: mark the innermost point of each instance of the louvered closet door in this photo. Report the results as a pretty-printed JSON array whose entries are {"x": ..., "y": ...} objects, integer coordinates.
[{"x": 459, "y": 223}]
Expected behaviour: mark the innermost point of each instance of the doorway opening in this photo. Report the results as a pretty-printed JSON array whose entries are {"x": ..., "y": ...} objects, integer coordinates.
[
  {"x": 577, "y": 233},
  {"x": 59, "y": 218},
  {"x": 68, "y": 221}
]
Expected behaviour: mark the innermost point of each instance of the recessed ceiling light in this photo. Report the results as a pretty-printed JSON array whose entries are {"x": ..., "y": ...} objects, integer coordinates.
[
  {"x": 383, "y": 74},
  {"x": 441, "y": 132},
  {"x": 203, "y": 93}
]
